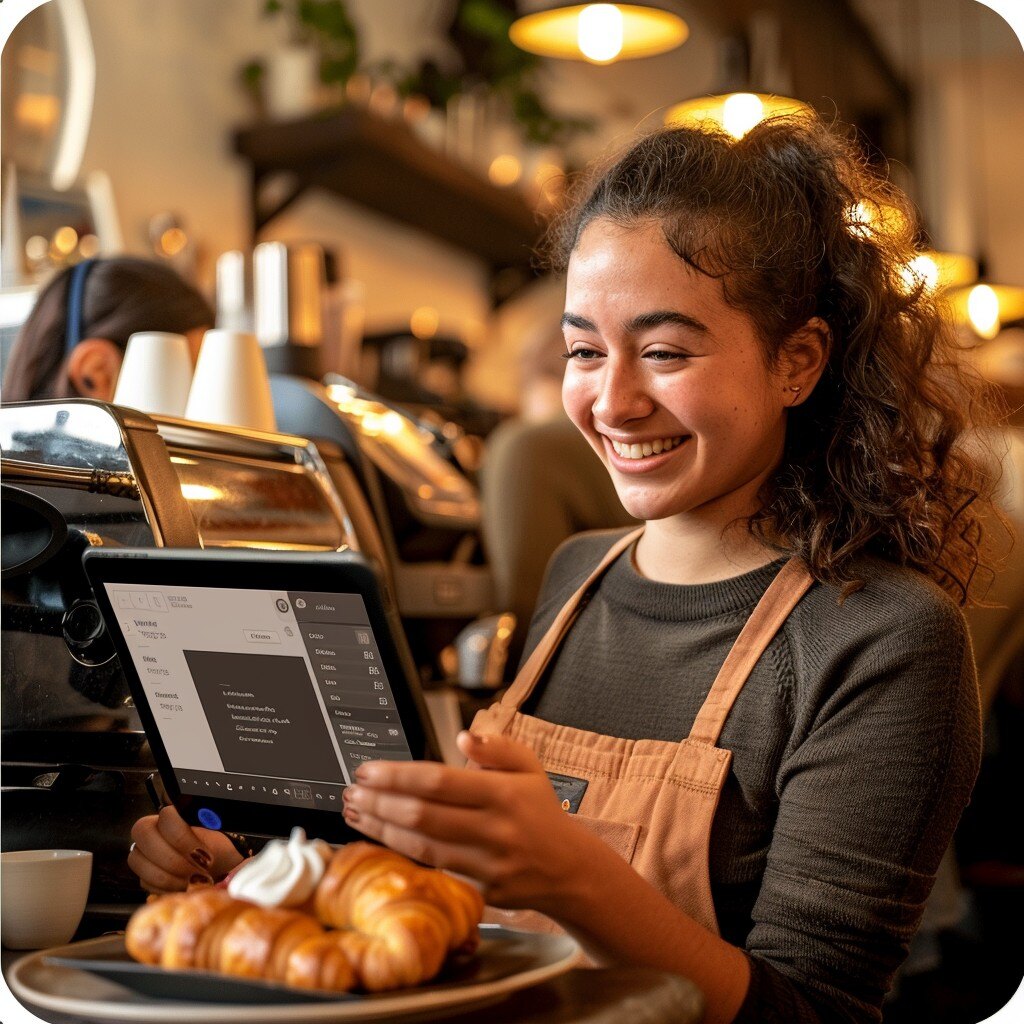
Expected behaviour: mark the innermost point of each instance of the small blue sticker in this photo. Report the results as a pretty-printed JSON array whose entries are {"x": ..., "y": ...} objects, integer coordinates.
[{"x": 208, "y": 818}]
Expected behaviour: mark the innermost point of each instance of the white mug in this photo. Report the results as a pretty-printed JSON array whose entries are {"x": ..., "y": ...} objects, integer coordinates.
[
  {"x": 230, "y": 384},
  {"x": 156, "y": 373},
  {"x": 42, "y": 896}
]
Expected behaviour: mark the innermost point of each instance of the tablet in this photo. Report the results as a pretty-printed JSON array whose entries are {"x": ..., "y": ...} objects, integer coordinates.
[{"x": 263, "y": 679}]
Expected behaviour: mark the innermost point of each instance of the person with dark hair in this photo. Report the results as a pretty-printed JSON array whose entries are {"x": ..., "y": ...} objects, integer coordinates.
[
  {"x": 741, "y": 736},
  {"x": 74, "y": 340}
]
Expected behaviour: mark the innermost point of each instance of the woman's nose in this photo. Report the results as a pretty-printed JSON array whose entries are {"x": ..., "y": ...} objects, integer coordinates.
[{"x": 621, "y": 396}]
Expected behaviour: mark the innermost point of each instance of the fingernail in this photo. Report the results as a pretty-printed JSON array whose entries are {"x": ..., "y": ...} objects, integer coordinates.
[
  {"x": 351, "y": 814},
  {"x": 200, "y": 879},
  {"x": 353, "y": 795},
  {"x": 366, "y": 772},
  {"x": 202, "y": 858}
]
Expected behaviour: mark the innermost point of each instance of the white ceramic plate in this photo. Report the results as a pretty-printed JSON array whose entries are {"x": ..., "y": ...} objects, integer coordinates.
[{"x": 506, "y": 961}]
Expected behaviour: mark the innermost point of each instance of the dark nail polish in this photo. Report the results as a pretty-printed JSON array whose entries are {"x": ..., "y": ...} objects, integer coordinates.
[
  {"x": 202, "y": 858},
  {"x": 200, "y": 879}
]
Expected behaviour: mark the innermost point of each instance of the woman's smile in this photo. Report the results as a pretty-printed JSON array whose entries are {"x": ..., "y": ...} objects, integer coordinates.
[{"x": 643, "y": 456}]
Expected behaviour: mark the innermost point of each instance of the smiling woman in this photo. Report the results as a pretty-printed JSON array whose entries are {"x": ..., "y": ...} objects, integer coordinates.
[
  {"x": 759, "y": 712},
  {"x": 679, "y": 402}
]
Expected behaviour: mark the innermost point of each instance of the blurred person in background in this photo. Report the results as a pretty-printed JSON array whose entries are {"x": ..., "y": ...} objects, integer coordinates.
[
  {"x": 74, "y": 340},
  {"x": 540, "y": 484}
]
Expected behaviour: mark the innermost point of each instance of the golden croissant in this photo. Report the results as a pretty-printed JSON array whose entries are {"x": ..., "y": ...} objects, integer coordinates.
[{"x": 376, "y": 921}]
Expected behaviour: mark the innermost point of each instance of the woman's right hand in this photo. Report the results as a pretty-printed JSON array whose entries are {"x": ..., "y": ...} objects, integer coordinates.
[{"x": 168, "y": 854}]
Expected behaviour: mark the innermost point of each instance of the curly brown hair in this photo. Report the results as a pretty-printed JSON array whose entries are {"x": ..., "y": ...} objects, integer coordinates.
[{"x": 881, "y": 458}]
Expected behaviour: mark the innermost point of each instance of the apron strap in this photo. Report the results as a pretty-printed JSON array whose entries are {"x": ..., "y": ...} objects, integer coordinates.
[
  {"x": 532, "y": 671},
  {"x": 765, "y": 621}
]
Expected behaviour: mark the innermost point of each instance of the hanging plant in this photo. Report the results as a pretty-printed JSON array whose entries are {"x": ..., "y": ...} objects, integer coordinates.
[
  {"x": 479, "y": 31},
  {"x": 325, "y": 25}
]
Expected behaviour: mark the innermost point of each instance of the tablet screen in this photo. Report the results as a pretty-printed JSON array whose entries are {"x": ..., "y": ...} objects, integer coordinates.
[{"x": 275, "y": 697}]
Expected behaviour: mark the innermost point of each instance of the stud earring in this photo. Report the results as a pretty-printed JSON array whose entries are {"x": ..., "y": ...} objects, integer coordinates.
[{"x": 796, "y": 389}]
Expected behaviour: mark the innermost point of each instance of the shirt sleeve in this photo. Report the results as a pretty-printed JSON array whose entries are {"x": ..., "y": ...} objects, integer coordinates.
[{"x": 879, "y": 769}]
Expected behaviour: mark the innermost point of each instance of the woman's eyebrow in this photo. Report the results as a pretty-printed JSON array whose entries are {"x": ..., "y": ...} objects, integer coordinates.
[
  {"x": 659, "y": 317},
  {"x": 642, "y": 322},
  {"x": 581, "y": 323}
]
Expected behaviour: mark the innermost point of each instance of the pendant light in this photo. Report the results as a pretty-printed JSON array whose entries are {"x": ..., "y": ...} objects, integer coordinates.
[
  {"x": 736, "y": 112},
  {"x": 986, "y": 306},
  {"x": 936, "y": 270},
  {"x": 599, "y": 33},
  {"x": 745, "y": 60}
]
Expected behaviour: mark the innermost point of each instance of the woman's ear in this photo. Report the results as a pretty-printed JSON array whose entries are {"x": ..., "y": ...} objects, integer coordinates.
[
  {"x": 803, "y": 358},
  {"x": 93, "y": 367}
]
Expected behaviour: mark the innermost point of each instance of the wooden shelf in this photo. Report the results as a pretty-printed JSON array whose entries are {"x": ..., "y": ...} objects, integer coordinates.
[{"x": 383, "y": 166}]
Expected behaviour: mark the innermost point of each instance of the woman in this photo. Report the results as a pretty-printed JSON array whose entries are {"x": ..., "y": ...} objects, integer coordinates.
[
  {"x": 73, "y": 342},
  {"x": 761, "y": 713}
]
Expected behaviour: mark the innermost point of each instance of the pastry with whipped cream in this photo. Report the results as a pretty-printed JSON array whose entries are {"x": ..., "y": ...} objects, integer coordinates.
[
  {"x": 310, "y": 916},
  {"x": 284, "y": 874}
]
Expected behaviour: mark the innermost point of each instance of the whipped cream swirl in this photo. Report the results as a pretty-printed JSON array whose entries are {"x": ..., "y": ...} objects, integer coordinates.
[{"x": 283, "y": 874}]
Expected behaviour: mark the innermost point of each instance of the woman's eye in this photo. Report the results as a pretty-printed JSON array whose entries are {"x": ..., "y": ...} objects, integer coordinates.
[
  {"x": 663, "y": 356},
  {"x": 582, "y": 354}
]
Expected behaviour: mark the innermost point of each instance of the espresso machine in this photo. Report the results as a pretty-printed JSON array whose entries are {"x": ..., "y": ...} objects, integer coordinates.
[
  {"x": 76, "y": 474},
  {"x": 424, "y": 513}
]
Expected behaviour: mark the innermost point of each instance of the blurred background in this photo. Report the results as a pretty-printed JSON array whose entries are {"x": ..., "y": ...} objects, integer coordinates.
[
  {"x": 164, "y": 120},
  {"x": 417, "y": 151}
]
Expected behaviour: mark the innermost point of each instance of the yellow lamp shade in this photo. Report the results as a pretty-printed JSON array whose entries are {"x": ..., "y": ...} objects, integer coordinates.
[
  {"x": 986, "y": 307},
  {"x": 955, "y": 268},
  {"x": 599, "y": 33},
  {"x": 736, "y": 112}
]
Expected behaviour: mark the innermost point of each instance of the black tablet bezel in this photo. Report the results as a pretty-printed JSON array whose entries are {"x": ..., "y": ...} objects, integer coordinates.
[{"x": 329, "y": 573}]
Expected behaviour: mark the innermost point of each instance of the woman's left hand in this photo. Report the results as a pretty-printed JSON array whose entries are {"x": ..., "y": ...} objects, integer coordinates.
[{"x": 503, "y": 826}]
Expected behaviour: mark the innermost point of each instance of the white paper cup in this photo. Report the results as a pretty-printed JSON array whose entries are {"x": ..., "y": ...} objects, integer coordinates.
[
  {"x": 42, "y": 896},
  {"x": 230, "y": 384},
  {"x": 156, "y": 373}
]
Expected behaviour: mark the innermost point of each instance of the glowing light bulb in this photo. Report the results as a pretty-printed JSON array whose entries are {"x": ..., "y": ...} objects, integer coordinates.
[
  {"x": 983, "y": 311},
  {"x": 599, "y": 32},
  {"x": 64, "y": 240},
  {"x": 504, "y": 170},
  {"x": 740, "y": 112},
  {"x": 424, "y": 322}
]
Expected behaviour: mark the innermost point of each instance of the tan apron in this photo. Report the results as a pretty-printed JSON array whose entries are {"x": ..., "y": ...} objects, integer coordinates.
[{"x": 652, "y": 801}]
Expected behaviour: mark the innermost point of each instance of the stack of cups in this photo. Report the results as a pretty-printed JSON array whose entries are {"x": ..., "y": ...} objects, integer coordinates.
[
  {"x": 156, "y": 374},
  {"x": 230, "y": 385}
]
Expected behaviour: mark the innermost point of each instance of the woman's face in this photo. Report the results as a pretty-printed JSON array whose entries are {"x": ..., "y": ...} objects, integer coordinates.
[{"x": 666, "y": 381}]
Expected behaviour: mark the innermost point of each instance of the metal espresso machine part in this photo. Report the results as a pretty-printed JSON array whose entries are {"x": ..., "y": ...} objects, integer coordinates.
[
  {"x": 75, "y": 474},
  {"x": 422, "y": 522}
]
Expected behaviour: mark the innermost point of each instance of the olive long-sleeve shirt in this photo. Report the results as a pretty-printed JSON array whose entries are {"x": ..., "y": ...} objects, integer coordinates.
[{"x": 856, "y": 741}]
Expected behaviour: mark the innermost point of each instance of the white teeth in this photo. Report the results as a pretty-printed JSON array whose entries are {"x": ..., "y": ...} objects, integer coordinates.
[{"x": 646, "y": 448}]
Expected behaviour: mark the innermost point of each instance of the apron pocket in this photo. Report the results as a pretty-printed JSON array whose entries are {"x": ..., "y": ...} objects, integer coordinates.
[{"x": 619, "y": 835}]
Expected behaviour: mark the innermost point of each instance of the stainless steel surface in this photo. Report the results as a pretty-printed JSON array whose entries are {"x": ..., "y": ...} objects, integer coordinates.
[
  {"x": 95, "y": 481},
  {"x": 74, "y": 752},
  {"x": 252, "y": 489},
  {"x": 401, "y": 450}
]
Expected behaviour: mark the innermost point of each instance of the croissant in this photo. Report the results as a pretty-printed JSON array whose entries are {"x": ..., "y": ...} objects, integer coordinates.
[
  {"x": 207, "y": 929},
  {"x": 395, "y": 924},
  {"x": 362, "y": 878}
]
